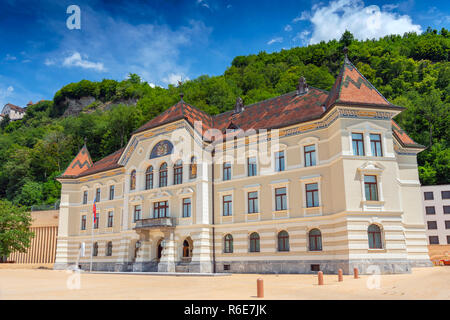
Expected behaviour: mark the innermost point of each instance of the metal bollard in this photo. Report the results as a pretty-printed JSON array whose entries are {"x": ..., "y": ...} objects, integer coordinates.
[
  {"x": 355, "y": 273},
  {"x": 260, "y": 288},
  {"x": 320, "y": 278},
  {"x": 340, "y": 276}
]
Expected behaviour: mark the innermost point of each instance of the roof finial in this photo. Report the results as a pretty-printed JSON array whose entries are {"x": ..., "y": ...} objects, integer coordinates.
[
  {"x": 345, "y": 50},
  {"x": 180, "y": 83},
  {"x": 302, "y": 86},
  {"x": 85, "y": 141},
  {"x": 239, "y": 106}
]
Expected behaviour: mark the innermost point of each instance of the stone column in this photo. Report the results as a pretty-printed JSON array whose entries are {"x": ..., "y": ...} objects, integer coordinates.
[
  {"x": 167, "y": 262},
  {"x": 143, "y": 258},
  {"x": 201, "y": 253}
]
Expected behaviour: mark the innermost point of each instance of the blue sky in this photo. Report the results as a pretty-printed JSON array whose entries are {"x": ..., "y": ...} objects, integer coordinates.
[{"x": 165, "y": 40}]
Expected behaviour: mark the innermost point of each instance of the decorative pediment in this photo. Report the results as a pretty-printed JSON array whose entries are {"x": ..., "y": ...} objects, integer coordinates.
[
  {"x": 187, "y": 190},
  {"x": 160, "y": 194},
  {"x": 136, "y": 199},
  {"x": 371, "y": 166}
]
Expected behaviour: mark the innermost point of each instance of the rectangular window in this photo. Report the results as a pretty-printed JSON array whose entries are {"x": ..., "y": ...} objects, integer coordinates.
[
  {"x": 83, "y": 222},
  {"x": 251, "y": 166},
  {"x": 111, "y": 193},
  {"x": 447, "y": 224},
  {"x": 137, "y": 213},
  {"x": 186, "y": 207},
  {"x": 85, "y": 196},
  {"x": 227, "y": 205},
  {"x": 279, "y": 161},
  {"x": 358, "y": 144},
  {"x": 448, "y": 239},
  {"x": 446, "y": 209},
  {"x": 252, "y": 202},
  {"x": 432, "y": 225},
  {"x": 226, "y": 171},
  {"x": 96, "y": 222},
  {"x": 375, "y": 145},
  {"x": 110, "y": 219},
  {"x": 97, "y": 195},
  {"x": 430, "y": 210},
  {"x": 280, "y": 199},
  {"x": 428, "y": 195},
  {"x": 310, "y": 155},
  {"x": 161, "y": 209},
  {"x": 433, "y": 239},
  {"x": 312, "y": 195},
  {"x": 445, "y": 195},
  {"x": 370, "y": 186},
  {"x": 178, "y": 174}
]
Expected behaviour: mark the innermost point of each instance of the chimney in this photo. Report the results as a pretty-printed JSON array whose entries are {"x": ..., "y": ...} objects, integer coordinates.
[
  {"x": 302, "y": 86},
  {"x": 239, "y": 106}
]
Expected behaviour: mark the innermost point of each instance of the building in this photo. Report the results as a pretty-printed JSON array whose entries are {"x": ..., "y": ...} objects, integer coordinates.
[
  {"x": 14, "y": 112},
  {"x": 310, "y": 180},
  {"x": 436, "y": 208},
  {"x": 43, "y": 245}
]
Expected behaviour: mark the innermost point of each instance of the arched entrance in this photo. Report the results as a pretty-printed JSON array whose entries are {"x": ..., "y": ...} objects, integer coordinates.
[
  {"x": 159, "y": 249},
  {"x": 186, "y": 249}
]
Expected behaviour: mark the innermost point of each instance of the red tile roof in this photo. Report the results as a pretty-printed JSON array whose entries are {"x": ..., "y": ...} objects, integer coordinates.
[
  {"x": 350, "y": 87},
  {"x": 14, "y": 107},
  {"x": 108, "y": 163},
  {"x": 353, "y": 88},
  {"x": 79, "y": 164},
  {"x": 403, "y": 137}
]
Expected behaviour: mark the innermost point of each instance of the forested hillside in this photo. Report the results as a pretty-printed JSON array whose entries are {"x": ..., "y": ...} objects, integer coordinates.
[{"x": 411, "y": 71}]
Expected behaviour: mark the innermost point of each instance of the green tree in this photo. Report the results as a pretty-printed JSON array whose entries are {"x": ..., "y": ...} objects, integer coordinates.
[{"x": 15, "y": 234}]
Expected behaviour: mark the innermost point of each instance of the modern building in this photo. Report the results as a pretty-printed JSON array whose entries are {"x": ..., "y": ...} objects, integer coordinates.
[
  {"x": 43, "y": 245},
  {"x": 14, "y": 112},
  {"x": 310, "y": 180},
  {"x": 436, "y": 208}
]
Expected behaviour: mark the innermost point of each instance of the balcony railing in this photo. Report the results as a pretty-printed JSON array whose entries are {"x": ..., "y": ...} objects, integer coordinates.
[{"x": 155, "y": 223}]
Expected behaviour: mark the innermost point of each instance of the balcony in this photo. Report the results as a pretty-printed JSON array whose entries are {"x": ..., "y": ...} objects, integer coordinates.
[{"x": 155, "y": 223}]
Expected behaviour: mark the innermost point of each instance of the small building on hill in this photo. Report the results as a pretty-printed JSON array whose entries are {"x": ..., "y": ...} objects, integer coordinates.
[{"x": 14, "y": 112}]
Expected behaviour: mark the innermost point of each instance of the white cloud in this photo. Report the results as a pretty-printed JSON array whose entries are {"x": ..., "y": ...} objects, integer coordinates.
[
  {"x": 288, "y": 28},
  {"x": 49, "y": 62},
  {"x": 5, "y": 93},
  {"x": 10, "y": 57},
  {"x": 203, "y": 3},
  {"x": 75, "y": 60},
  {"x": 303, "y": 16},
  {"x": 151, "y": 50},
  {"x": 173, "y": 78},
  {"x": 302, "y": 36},
  {"x": 275, "y": 40},
  {"x": 331, "y": 21}
]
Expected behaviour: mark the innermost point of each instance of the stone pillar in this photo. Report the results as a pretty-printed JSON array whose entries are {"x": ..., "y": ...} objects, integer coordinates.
[
  {"x": 143, "y": 257},
  {"x": 122, "y": 259},
  {"x": 201, "y": 254},
  {"x": 167, "y": 262}
]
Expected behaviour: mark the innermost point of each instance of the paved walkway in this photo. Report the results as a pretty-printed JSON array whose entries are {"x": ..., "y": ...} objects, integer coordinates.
[{"x": 423, "y": 283}]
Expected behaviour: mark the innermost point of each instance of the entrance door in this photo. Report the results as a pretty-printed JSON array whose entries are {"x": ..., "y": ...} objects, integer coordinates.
[
  {"x": 186, "y": 251},
  {"x": 160, "y": 248}
]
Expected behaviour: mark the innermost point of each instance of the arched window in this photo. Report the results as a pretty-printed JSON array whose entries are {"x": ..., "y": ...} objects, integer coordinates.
[
  {"x": 109, "y": 247},
  {"x": 193, "y": 168},
  {"x": 178, "y": 172},
  {"x": 374, "y": 233},
  {"x": 133, "y": 180},
  {"x": 149, "y": 178},
  {"x": 95, "y": 251},
  {"x": 315, "y": 240},
  {"x": 163, "y": 175},
  {"x": 254, "y": 242},
  {"x": 283, "y": 241},
  {"x": 228, "y": 244}
]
